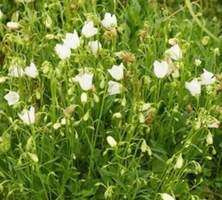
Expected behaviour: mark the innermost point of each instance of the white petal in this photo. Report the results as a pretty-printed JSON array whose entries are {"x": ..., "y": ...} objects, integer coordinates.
[
  {"x": 31, "y": 71},
  {"x": 109, "y": 21},
  {"x": 72, "y": 40},
  {"x": 12, "y": 98},
  {"x": 207, "y": 78},
  {"x": 117, "y": 72},
  {"x": 28, "y": 116},
  {"x": 175, "y": 52},
  {"x": 194, "y": 87},
  {"x": 89, "y": 30},
  {"x": 62, "y": 51},
  {"x": 161, "y": 69},
  {"x": 15, "y": 71},
  {"x": 95, "y": 46},
  {"x": 114, "y": 88},
  {"x": 85, "y": 80}
]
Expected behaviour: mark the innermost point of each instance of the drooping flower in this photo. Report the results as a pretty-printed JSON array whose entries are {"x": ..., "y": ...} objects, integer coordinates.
[
  {"x": 95, "y": 46},
  {"x": 11, "y": 97},
  {"x": 62, "y": 51},
  {"x": 194, "y": 87},
  {"x": 85, "y": 80},
  {"x": 109, "y": 21},
  {"x": 89, "y": 30},
  {"x": 72, "y": 40},
  {"x": 1, "y": 15},
  {"x": 117, "y": 72},
  {"x": 28, "y": 116},
  {"x": 166, "y": 196},
  {"x": 207, "y": 77},
  {"x": 209, "y": 139},
  {"x": 15, "y": 71},
  {"x": 13, "y": 25},
  {"x": 84, "y": 97},
  {"x": 31, "y": 71},
  {"x": 114, "y": 87},
  {"x": 174, "y": 52},
  {"x": 111, "y": 141},
  {"x": 161, "y": 69}
]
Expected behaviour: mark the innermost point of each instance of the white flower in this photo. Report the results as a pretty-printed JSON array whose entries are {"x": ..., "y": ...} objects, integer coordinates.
[
  {"x": 111, "y": 141},
  {"x": 179, "y": 162},
  {"x": 62, "y": 51},
  {"x": 109, "y": 21},
  {"x": 194, "y": 87},
  {"x": 85, "y": 80},
  {"x": 95, "y": 46},
  {"x": 15, "y": 71},
  {"x": 174, "y": 52},
  {"x": 11, "y": 97},
  {"x": 117, "y": 72},
  {"x": 28, "y": 116},
  {"x": 89, "y": 30},
  {"x": 207, "y": 78},
  {"x": 161, "y": 69},
  {"x": 31, "y": 71},
  {"x": 166, "y": 196},
  {"x": 114, "y": 88},
  {"x": 72, "y": 40},
  {"x": 12, "y": 25}
]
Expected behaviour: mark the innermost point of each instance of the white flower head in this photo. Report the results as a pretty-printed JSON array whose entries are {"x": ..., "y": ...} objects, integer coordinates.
[
  {"x": 117, "y": 72},
  {"x": 11, "y": 97},
  {"x": 62, "y": 51},
  {"x": 207, "y": 77},
  {"x": 31, "y": 71},
  {"x": 194, "y": 87},
  {"x": 89, "y": 30},
  {"x": 85, "y": 80},
  {"x": 114, "y": 87},
  {"x": 15, "y": 71},
  {"x": 13, "y": 25},
  {"x": 166, "y": 196},
  {"x": 174, "y": 52},
  {"x": 161, "y": 69},
  {"x": 72, "y": 40},
  {"x": 111, "y": 141},
  {"x": 109, "y": 21},
  {"x": 28, "y": 116},
  {"x": 95, "y": 46}
]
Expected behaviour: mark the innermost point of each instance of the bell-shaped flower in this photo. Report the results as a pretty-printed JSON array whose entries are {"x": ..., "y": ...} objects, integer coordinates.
[
  {"x": 89, "y": 30},
  {"x": 114, "y": 87},
  {"x": 207, "y": 78},
  {"x": 72, "y": 40},
  {"x": 85, "y": 80},
  {"x": 95, "y": 46},
  {"x": 13, "y": 25},
  {"x": 62, "y": 51},
  {"x": 109, "y": 21},
  {"x": 28, "y": 116},
  {"x": 31, "y": 71},
  {"x": 117, "y": 72},
  {"x": 161, "y": 69},
  {"x": 174, "y": 52},
  {"x": 15, "y": 71},
  {"x": 194, "y": 87},
  {"x": 11, "y": 97}
]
